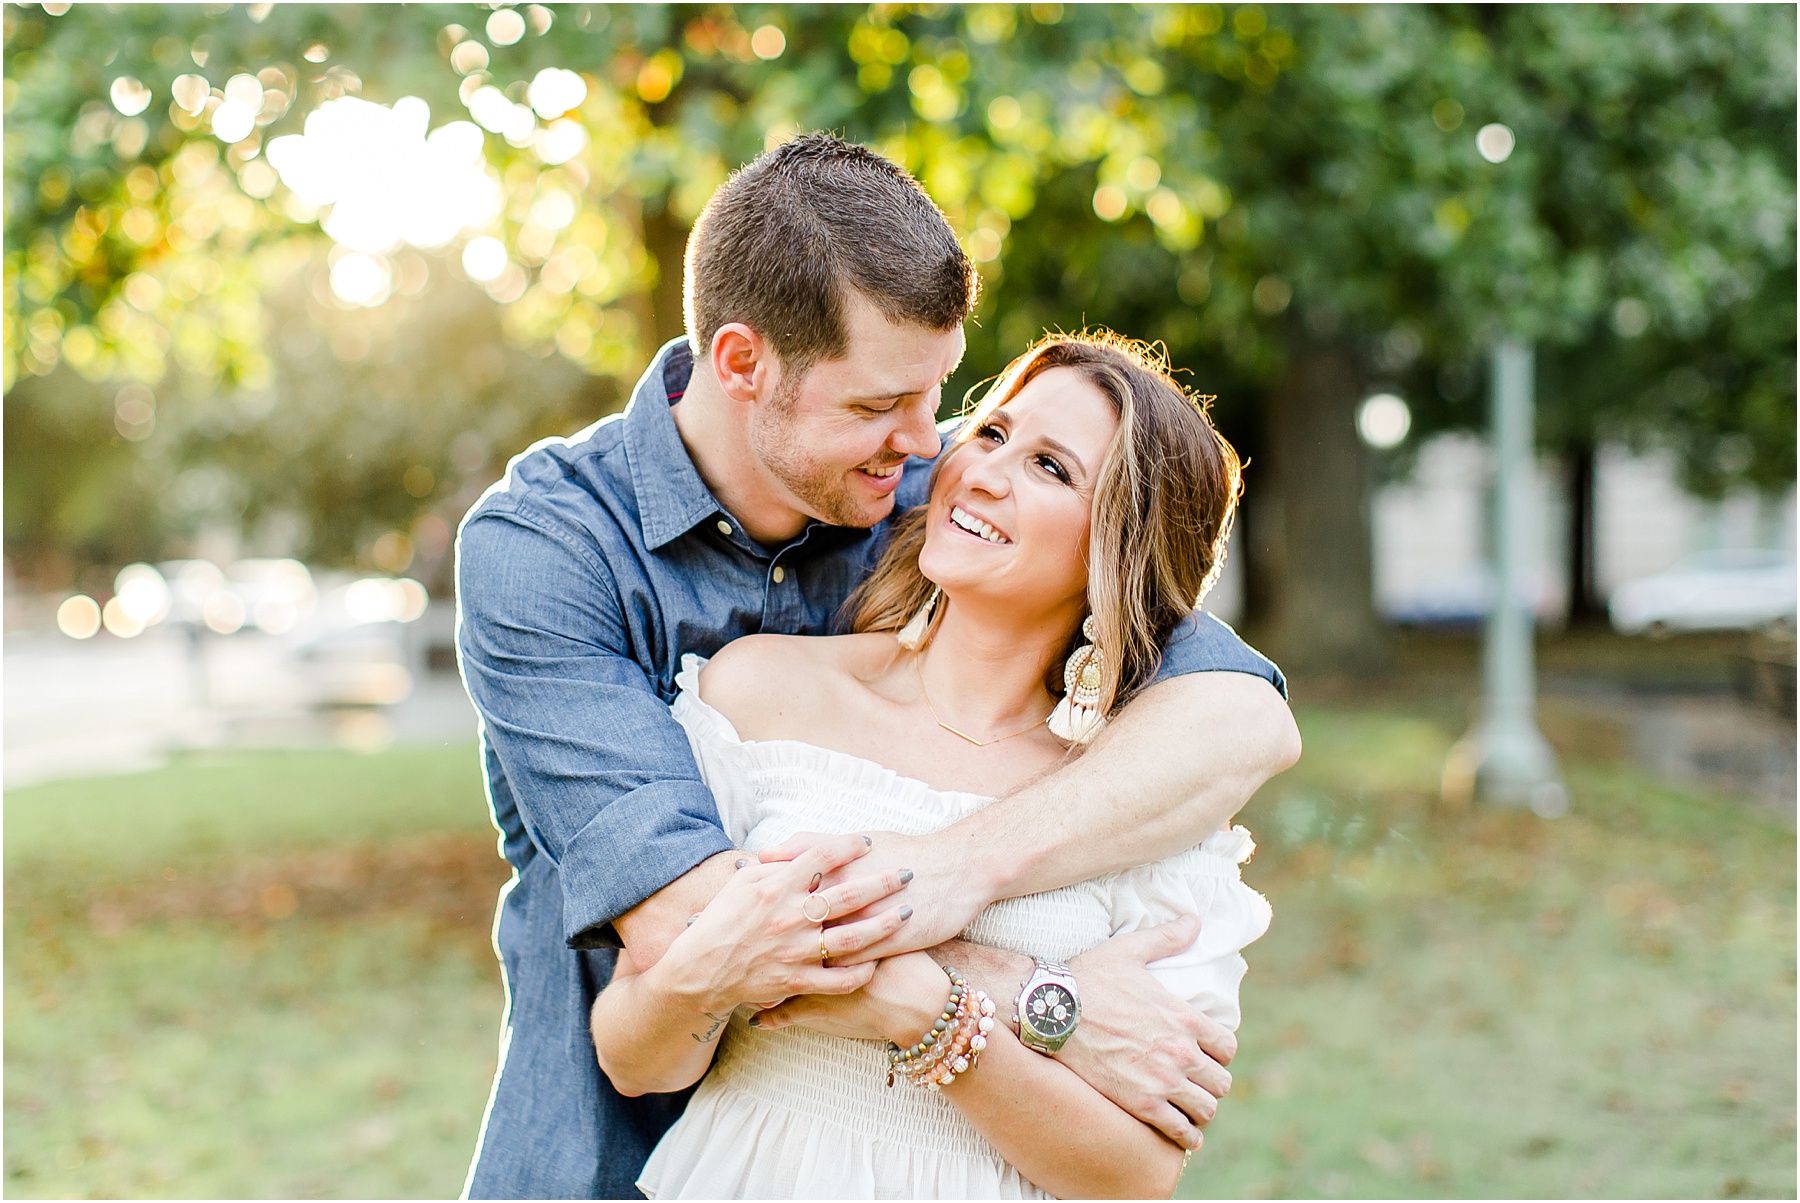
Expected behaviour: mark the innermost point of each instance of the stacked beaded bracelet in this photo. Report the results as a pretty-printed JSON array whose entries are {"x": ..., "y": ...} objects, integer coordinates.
[
  {"x": 977, "y": 1020},
  {"x": 908, "y": 1062},
  {"x": 954, "y": 1043}
]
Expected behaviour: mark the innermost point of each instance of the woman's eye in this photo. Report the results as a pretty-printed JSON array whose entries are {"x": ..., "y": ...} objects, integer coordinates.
[
  {"x": 1049, "y": 464},
  {"x": 992, "y": 433}
]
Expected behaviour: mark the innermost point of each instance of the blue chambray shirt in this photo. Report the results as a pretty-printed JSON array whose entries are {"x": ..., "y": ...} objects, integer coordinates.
[{"x": 583, "y": 576}]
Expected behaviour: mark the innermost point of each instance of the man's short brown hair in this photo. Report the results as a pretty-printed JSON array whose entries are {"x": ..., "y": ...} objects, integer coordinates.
[{"x": 784, "y": 237}]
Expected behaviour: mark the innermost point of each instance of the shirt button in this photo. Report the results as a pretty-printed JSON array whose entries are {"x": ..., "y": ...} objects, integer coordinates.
[
  {"x": 724, "y": 527},
  {"x": 780, "y": 574}
]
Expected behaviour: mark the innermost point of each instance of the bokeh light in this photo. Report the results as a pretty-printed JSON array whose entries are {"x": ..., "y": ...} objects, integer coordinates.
[
  {"x": 1271, "y": 295},
  {"x": 484, "y": 258},
  {"x": 79, "y": 617},
  {"x": 191, "y": 92},
  {"x": 469, "y": 57},
  {"x": 1110, "y": 202},
  {"x": 1383, "y": 421},
  {"x": 505, "y": 27},
  {"x": 195, "y": 581},
  {"x": 245, "y": 90},
  {"x": 554, "y": 91},
  {"x": 1144, "y": 173},
  {"x": 561, "y": 141},
  {"x": 380, "y": 599},
  {"x": 1495, "y": 142},
  {"x": 129, "y": 96},
  {"x": 359, "y": 279},
  {"x": 1630, "y": 317},
  {"x": 223, "y": 612},
  {"x": 142, "y": 594},
  {"x": 494, "y": 112},
  {"x": 134, "y": 412},
  {"x": 232, "y": 122},
  {"x": 768, "y": 42},
  {"x": 118, "y": 622},
  {"x": 387, "y": 181}
]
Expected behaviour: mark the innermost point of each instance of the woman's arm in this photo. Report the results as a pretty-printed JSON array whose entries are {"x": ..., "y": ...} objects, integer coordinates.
[
  {"x": 1058, "y": 1131},
  {"x": 655, "y": 1025}
]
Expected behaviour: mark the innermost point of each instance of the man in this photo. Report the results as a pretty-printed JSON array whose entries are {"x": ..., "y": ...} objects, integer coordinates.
[{"x": 747, "y": 488}]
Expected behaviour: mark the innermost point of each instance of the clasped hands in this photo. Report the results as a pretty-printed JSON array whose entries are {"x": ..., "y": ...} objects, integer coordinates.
[{"x": 887, "y": 896}]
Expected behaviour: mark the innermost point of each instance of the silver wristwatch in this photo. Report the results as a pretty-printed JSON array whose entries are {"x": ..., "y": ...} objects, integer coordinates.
[{"x": 1049, "y": 1007}]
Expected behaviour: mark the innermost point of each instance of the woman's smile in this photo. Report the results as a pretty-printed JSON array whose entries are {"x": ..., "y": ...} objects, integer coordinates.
[{"x": 973, "y": 524}]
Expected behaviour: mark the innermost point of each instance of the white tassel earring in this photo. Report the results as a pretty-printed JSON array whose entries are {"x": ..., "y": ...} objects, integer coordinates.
[
  {"x": 912, "y": 635},
  {"x": 1077, "y": 718}
]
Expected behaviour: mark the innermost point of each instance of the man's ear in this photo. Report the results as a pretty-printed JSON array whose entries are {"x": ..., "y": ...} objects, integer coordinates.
[{"x": 743, "y": 363}]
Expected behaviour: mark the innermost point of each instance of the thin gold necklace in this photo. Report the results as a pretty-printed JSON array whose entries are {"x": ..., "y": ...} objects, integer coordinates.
[{"x": 980, "y": 743}]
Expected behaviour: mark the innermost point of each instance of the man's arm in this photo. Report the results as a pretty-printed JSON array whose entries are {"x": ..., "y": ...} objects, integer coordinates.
[
  {"x": 1170, "y": 769},
  {"x": 602, "y": 775}
]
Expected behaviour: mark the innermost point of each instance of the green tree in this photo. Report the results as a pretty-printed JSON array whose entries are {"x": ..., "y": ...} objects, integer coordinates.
[{"x": 1291, "y": 199}]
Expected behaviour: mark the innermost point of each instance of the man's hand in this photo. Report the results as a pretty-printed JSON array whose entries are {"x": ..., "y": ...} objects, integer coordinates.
[
  {"x": 1151, "y": 1053},
  {"x": 947, "y": 890},
  {"x": 760, "y": 940}
]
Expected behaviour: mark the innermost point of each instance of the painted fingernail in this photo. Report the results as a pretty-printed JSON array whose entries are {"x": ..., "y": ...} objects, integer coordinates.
[
  {"x": 817, "y": 878},
  {"x": 906, "y": 875},
  {"x": 741, "y": 862},
  {"x": 756, "y": 1021},
  {"x": 693, "y": 917},
  {"x": 869, "y": 842},
  {"x": 905, "y": 913}
]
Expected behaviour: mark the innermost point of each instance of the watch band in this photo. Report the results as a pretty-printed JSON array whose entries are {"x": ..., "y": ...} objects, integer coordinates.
[{"x": 1048, "y": 1007}]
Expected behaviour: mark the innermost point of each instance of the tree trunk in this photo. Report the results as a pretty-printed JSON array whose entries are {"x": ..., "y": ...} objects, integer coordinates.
[
  {"x": 1586, "y": 606},
  {"x": 1311, "y": 532}
]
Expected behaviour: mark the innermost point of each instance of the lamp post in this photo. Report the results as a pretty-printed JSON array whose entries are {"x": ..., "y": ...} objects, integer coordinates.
[{"x": 1505, "y": 760}]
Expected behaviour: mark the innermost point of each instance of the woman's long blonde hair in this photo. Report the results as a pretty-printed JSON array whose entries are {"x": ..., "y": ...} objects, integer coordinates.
[{"x": 1163, "y": 506}]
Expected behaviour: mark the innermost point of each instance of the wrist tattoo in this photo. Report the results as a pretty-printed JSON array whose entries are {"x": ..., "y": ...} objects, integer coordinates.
[{"x": 712, "y": 1031}]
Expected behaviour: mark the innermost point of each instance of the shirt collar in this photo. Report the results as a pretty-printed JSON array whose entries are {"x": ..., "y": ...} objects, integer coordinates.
[{"x": 672, "y": 499}]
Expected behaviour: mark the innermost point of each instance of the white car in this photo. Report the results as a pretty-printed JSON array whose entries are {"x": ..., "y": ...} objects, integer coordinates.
[{"x": 1710, "y": 591}]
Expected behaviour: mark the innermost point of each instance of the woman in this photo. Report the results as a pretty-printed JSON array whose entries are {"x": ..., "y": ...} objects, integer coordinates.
[{"x": 984, "y": 607}]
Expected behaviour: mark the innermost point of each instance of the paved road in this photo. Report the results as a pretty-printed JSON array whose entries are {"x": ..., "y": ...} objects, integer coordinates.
[{"x": 110, "y": 705}]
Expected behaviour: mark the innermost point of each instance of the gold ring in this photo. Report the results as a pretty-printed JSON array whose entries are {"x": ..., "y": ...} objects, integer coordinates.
[
  {"x": 806, "y": 908},
  {"x": 823, "y": 955}
]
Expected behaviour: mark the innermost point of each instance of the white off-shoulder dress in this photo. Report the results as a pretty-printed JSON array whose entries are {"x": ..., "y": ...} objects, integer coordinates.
[{"x": 797, "y": 1114}]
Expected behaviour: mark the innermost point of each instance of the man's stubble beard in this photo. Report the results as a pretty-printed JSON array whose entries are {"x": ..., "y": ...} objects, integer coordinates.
[{"x": 822, "y": 490}]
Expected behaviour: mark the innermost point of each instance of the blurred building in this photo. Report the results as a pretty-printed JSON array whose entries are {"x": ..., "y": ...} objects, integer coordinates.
[{"x": 1430, "y": 530}]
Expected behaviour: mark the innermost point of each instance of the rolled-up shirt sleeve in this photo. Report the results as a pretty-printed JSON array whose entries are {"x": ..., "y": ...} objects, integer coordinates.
[{"x": 601, "y": 773}]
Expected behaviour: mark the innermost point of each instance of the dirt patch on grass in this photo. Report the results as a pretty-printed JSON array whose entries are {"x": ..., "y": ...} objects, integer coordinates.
[{"x": 449, "y": 879}]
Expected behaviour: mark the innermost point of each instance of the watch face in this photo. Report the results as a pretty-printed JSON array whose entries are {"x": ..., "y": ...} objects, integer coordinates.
[{"x": 1051, "y": 1010}]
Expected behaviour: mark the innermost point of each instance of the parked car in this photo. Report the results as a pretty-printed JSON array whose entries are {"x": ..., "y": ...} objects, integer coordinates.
[{"x": 1739, "y": 590}]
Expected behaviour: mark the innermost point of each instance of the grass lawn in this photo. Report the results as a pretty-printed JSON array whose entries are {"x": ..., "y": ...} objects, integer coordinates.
[
  {"x": 267, "y": 975},
  {"x": 258, "y": 975},
  {"x": 1472, "y": 1004}
]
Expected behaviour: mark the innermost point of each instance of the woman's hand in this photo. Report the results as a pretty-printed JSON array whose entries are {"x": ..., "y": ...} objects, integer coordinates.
[
  {"x": 904, "y": 997},
  {"x": 763, "y": 938}
]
